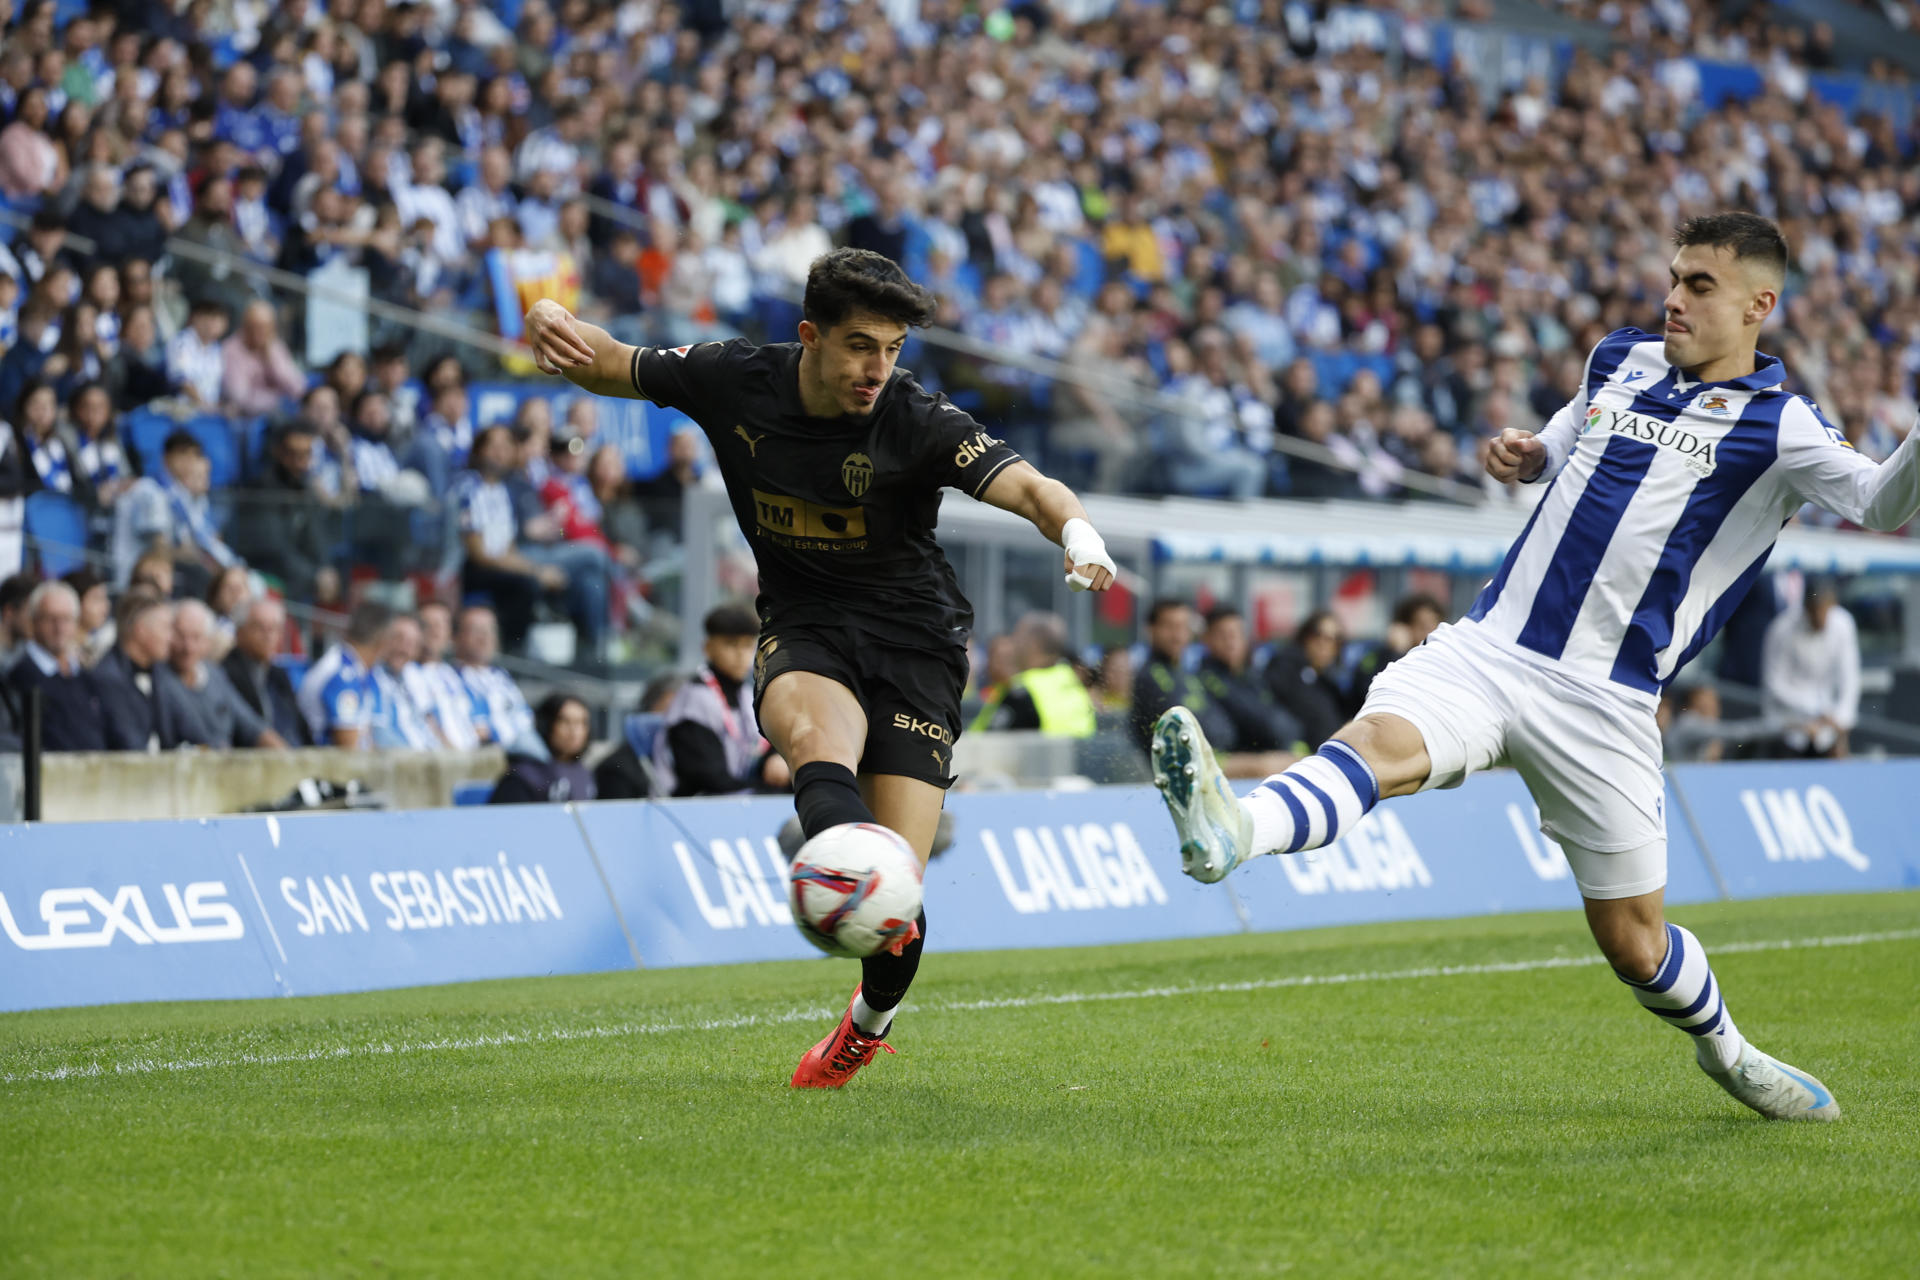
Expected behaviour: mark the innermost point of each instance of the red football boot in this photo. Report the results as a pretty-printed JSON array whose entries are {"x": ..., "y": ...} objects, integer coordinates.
[{"x": 832, "y": 1062}]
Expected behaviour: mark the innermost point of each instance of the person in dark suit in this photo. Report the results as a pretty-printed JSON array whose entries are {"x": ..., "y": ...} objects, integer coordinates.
[
  {"x": 137, "y": 710},
  {"x": 258, "y": 627},
  {"x": 1304, "y": 680},
  {"x": 71, "y": 716}
]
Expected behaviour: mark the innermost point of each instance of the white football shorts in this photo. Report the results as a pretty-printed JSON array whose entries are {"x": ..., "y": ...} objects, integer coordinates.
[{"x": 1589, "y": 755}]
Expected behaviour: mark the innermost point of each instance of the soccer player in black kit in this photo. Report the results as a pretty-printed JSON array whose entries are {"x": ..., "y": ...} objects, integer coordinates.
[{"x": 834, "y": 461}]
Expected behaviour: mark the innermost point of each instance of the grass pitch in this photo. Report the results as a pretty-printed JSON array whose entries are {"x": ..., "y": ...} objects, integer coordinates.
[{"x": 1311, "y": 1103}]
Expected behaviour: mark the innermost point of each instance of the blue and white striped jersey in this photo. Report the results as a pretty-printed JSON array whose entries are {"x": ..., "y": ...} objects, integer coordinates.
[{"x": 1664, "y": 499}]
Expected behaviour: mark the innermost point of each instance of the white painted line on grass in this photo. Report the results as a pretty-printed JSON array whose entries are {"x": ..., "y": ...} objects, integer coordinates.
[{"x": 615, "y": 1031}]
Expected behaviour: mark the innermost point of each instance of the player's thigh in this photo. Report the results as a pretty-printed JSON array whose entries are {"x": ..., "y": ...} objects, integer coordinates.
[
  {"x": 805, "y": 700},
  {"x": 1594, "y": 771},
  {"x": 1456, "y": 696},
  {"x": 910, "y": 806}
]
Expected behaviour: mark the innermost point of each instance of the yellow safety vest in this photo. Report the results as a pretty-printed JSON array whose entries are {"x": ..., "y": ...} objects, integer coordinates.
[{"x": 1065, "y": 706}]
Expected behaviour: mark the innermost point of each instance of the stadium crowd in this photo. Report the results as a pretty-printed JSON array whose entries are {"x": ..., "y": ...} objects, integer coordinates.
[{"x": 1285, "y": 219}]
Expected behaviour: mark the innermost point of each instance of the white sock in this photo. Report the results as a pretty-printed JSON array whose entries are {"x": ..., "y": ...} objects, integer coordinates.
[
  {"x": 870, "y": 1021},
  {"x": 1684, "y": 994},
  {"x": 1314, "y": 802}
]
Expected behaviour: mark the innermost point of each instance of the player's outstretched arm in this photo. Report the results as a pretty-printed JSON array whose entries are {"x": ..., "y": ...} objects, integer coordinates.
[
  {"x": 1826, "y": 470},
  {"x": 1056, "y": 513},
  {"x": 584, "y": 354}
]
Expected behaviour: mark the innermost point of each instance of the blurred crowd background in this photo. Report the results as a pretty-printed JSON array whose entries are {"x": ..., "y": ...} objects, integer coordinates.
[{"x": 262, "y": 266}]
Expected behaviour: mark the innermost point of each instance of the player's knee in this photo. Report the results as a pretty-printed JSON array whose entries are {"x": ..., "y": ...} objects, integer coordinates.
[
  {"x": 1392, "y": 748},
  {"x": 1634, "y": 950}
]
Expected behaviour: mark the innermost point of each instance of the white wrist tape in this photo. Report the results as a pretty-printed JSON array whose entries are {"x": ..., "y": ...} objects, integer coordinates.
[{"x": 1084, "y": 548}]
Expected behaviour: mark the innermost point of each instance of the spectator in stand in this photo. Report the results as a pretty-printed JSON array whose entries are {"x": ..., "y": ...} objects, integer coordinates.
[
  {"x": 260, "y": 625},
  {"x": 1045, "y": 692},
  {"x": 96, "y": 614},
  {"x": 1304, "y": 679},
  {"x": 222, "y": 717},
  {"x": 1226, "y": 673},
  {"x": 196, "y": 361},
  {"x": 227, "y": 594},
  {"x": 282, "y": 528},
  {"x": 100, "y": 465},
  {"x": 168, "y": 511},
  {"x": 338, "y": 697},
  {"x": 437, "y": 688},
  {"x": 445, "y": 437},
  {"x": 36, "y": 421},
  {"x": 626, "y": 772},
  {"x": 557, "y": 776},
  {"x": 140, "y": 709},
  {"x": 28, "y": 359},
  {"x": 663, "y": 498},
  {"x": 72, "y": 718},
  {"x": 544, "y": 539},
  {"x": 1165, "y": 681},
  {"x": 212, "y": 278},
  {"x": 1810, "y": 673},
  {"x": 13, "y": 614},
  {"x": 711, "y": 744},
  {"x": 402, "y": 720},
  {"x": 494, "y": 564},
  {"x": 1414, "y": 619},
  {"x": 259, "y": 376},
  {"x": 137, "y": 375},
  {"x": 503, "y": 715},
  {"x": 30, "y": 165}
]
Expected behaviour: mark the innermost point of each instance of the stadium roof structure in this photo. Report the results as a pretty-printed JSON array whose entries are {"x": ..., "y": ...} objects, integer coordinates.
[{"x": 1409, "y": 535}]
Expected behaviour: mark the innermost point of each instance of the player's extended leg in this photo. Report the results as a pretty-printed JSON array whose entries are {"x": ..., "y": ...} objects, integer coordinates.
[
  {"x": 819, "y": 728},
  {"x": 1309, "y": 805},
  {"x": 1667, "y": 969},
  {"x": 912, "y": 808}
]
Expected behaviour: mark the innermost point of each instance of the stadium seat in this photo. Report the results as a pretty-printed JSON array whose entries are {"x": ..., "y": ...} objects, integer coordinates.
[
  {"x": 144, "y": 431},
  {"x": 1092, "y": 270},
  {"x": 218, "y": 436},
  {"x": 294, "y": 665},
  {"x": 643, "y": 730},
  {"x": 56, "y": 528},
  {"x": 471, "y": 793}
]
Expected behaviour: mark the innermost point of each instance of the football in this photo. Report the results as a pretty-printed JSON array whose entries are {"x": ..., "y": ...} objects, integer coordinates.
[{"x": 855, "y": 890}]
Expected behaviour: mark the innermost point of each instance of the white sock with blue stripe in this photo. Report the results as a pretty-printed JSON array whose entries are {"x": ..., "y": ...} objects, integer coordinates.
[
  {"x": 1684, "y": 994},
  {"x": 1314, "y": 802}
]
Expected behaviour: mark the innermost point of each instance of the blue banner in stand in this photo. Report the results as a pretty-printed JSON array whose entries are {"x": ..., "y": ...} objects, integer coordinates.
[
  {"x": 1808, "y": 826},
  {"x": 356, "y": 902},
  {"x": 1468, "y": 851},
  {"x": 99, "y": 913},
  {"x": 699, "y": 881}
]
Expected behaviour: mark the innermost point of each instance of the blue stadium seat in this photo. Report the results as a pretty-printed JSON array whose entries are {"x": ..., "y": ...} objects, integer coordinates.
[
  {"x": 1092, "y": 272},
  {"x": 56, "y": 526},
  {"x": 470, "y": 793},
  {"x": 643, "y": 730},
  {"x": 219, "y": 438},
  {"x": 294, "y": 665},
  {"x": 253, "y": 446},
  {"x": 144, "y": 431}
]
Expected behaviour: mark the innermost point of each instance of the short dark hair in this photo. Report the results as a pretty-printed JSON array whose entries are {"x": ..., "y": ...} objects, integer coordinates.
[
  {"x": 16, "y": 588},
  {"x": 180, "y": 441},
  {"x": 731, "y": 620},
  {"x": 849, "y": 280},
  {"x": 1418, "y": 602},
  {"x": 368, "y": 619},
  {"x": 1221, "y": 612},
  {"x": 1748, "y": 234},
  {"x": 1159, "y": 608}
]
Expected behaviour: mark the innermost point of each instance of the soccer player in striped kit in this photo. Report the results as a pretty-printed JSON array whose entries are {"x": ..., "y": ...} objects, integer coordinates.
[{"x": 1667, "y": 479}]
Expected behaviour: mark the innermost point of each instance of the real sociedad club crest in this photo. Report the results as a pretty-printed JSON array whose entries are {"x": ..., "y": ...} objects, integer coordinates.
[
  {"x": 857, "y": 473},
  {"x": 1716, "y": 405}
]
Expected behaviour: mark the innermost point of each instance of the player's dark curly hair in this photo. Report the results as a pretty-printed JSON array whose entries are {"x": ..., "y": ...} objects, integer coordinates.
[
  {"x": 849, "y": 280},
  {"x": 1748, "y": 234}
]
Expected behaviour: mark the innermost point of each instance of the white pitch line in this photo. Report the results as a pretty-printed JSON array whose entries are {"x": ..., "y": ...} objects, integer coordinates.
[{"x": 563, "y": 1035}]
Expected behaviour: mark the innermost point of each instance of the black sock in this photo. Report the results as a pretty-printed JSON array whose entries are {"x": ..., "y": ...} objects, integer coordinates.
[
  {"x": 825, "y": 795},
  {"x": 884, "y": 978}
]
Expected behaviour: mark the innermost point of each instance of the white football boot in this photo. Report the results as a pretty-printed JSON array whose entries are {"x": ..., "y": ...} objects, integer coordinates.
[
  {"x": 1774, "y": 1089},
  {"x": 1216, "y": 831}
]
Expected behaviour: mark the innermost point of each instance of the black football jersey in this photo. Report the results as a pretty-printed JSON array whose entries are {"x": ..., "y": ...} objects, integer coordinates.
[{"x": 840, "y": 511}]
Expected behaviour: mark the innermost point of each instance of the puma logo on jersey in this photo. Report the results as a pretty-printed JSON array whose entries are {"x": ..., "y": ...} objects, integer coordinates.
[{"x": 753, "y": 442}]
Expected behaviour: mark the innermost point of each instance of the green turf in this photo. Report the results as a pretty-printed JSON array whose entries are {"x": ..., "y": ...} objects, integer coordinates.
[{"x": 1520, "y": 1123}]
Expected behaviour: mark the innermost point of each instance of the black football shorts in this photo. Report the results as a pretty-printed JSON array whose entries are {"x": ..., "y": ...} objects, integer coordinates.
[{"x": 911, "y": 695}]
